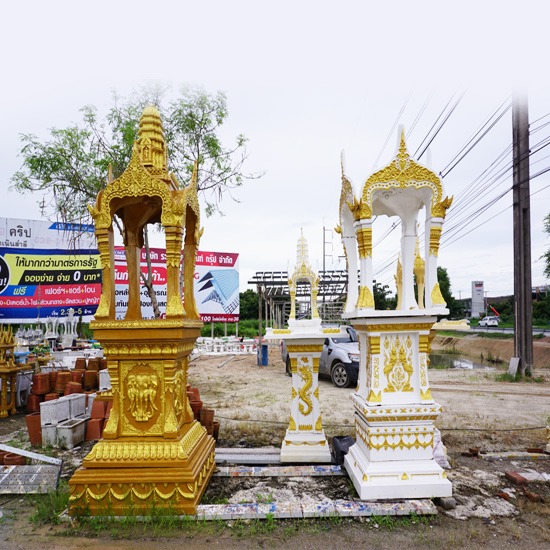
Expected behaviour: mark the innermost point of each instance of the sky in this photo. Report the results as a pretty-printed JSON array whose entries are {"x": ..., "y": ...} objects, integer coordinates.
[{"x": 305, "y": 80}]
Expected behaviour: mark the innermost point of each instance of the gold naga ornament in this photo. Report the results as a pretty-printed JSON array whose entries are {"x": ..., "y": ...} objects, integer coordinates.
[{"x": 153, "y": 454}]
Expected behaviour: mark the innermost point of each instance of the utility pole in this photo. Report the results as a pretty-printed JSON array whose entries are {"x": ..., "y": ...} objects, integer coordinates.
[{"x": 523, "y": 332}]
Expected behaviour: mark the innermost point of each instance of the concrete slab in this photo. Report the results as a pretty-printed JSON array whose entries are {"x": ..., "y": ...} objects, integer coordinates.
[
  {"x": 279, "y": 471},
  {"x": 35, "y": 479}
]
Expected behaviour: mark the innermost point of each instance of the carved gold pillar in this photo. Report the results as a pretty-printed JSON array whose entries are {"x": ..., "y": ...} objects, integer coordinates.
[
  {"x": 105, "y": 245},
  {"x": 363, "y": 231},
  {"x": 433, "y": 296},
  {"x": 174, "y": 307},
  {"x": 132, "y": 251}
]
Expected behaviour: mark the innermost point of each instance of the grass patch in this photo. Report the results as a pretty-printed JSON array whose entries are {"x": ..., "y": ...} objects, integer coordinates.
[
  {"x": 496, "y": 335},
  {"x": 506, "y": 377},
  {"x": 48, "y": 507}
]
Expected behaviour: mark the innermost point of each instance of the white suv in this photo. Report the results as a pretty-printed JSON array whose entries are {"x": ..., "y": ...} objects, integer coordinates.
[{"x": 489, "y": 322}]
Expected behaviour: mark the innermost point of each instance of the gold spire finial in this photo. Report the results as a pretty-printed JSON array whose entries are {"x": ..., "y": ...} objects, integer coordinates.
[{"x": 152, "y": 146}]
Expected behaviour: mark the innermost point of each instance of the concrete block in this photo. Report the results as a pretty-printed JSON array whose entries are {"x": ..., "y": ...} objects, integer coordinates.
[
  {"x": 104, "y": 380},
  {"x": 53, "y": 412},
  {"x": 49, "y": 435},
  {"x": 71, "y": 432},
  {"x": 77, "y": 404}
]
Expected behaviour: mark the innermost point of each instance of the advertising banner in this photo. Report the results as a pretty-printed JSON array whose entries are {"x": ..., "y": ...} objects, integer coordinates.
[
  {"x": 46, "y": 269},
  {"x": 216, "y": 284}
]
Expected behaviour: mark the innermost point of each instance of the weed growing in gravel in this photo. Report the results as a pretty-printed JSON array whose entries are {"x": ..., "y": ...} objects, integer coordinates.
[{"x": 49, "y": 506}]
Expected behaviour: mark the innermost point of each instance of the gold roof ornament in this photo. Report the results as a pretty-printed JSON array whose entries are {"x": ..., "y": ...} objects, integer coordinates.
[{"x": 401, "y": 173}]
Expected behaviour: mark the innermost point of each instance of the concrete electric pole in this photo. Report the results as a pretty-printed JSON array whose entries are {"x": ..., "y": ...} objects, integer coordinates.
[{"x": 523, "y": 332}]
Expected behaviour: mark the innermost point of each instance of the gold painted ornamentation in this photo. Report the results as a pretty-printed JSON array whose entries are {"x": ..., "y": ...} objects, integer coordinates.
[
  {"x": 310, "y": 443},
  {"x": 364, "y": 242},
  {"x": 281, "y": 331},
  {"x": 400, "y": 442},
  {"x": 437, "y": 297},
  {"x": 142, "y": 384},
  {"x": 398, "y": 364},
  {"x": 426, "y": 395},
  {"x": 435, "y": 236},
  {"x": 366, "y": 299},
  {"x": 305, "y": 427},
  {"x": 305, "y": 348},
  {"x": 374, "y": 397},
  {"x": 376, "y": 372},
  {"x": 319, "y": 424},
  {"x": 292, "y": 424},
  {"x": 303, "y": 392}
]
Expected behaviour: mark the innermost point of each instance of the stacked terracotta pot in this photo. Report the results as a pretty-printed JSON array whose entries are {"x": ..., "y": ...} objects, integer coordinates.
[
  {"x": 98, "y": 418},
  {"x": 204, "y": 416},
  {"x": 40, "y": 387}
]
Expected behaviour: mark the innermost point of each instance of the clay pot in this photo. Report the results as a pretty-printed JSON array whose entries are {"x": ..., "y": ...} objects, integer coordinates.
[
  {"x": 215, "y": 430},
  {"x": 90, "y": 380},
  {"x": 94, "y": 429},
  {"x": 53, "y": 377},
  {"x": 12, "y": 459},
  {"x": 206, "y": 417},
  {"x": 93, "y": 363},
  {"x": 102, "y": 363},
  {"x": 33, "y": 403},
  {"x": 41, "y": 383},
  {"x": 80, "y": 363},
  {"x": 73, "y": 387},
  {"x": 196, "y": 406},
  {"x": 2, "y": 455},
  {"x": 51, "y": 396},
  {"x": 34, "y": 428},
  {"x": 98, "y": 409},
  {"x": 76, "y": 376},
  {"x": 196, "y": 393},
  {"x": 63, "y": 378}
]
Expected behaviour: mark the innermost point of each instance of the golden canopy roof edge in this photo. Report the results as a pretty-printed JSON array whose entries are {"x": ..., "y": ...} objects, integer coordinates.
[{"x": 402, "y": 171}]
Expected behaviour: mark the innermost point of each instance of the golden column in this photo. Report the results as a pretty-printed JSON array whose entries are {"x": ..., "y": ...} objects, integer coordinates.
[{"x": 153, "y": 454}]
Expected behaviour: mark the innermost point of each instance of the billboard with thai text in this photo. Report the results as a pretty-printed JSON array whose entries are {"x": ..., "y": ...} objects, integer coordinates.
[{"x": 47, "y": 268}]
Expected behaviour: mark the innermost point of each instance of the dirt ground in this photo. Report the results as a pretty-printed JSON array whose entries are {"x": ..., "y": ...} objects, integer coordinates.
[{"x": 252, "y": 405}]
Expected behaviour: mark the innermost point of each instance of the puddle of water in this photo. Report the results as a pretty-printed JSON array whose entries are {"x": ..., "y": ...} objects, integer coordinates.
[{"x": 452, "y": 361}]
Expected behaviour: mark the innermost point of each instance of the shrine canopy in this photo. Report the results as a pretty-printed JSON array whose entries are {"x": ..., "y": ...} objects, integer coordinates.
[{"x": 401, "y": 189}]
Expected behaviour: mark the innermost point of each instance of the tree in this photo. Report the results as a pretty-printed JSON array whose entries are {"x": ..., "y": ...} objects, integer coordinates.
[
  {"x": 456, "y": 309},
  {"x": 383, "y": 298},
  {"x": 546, "y": 255},
  {"x": 248, "y": 305},
  {"x": 70, "y": 167}
]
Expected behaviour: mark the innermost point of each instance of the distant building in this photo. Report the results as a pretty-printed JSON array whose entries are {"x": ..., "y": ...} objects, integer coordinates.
[{"x": 478, "y": 299}]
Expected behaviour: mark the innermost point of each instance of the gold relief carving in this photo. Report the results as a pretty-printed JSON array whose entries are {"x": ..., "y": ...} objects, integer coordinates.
[
  {"x": 142, "y": 384},
  {"x": 307, "y": 379},
  {"x": 294, "y": 392},
  {"x": 423, "y": 370},
  {"x": 319, "y": 424},
  {"x": 435, "y": 236},
  {"x": 316, "y": 392},
  {"x": 398, "y": 442},
  {"x": 305, "y": 348},
  {"x": 376, "y": 372},
  {"x": 360, "y": 209},
  {"x": 374, "y": 344},
  {"x": 405, "y": 477},
  {"x": 395, "y": 327},
  {"x": 174, "y": 307},
  {"x": 440, "y": 209},
  {"x": 292, "y": 424},
  {"x": 331, "y": 331},
  {"x": 364, "y": 242},
  {"x": 305, "y": 427},
  {"x": 404, "y": 172},
  {"x": 423, "y": 343},
  {"x": 374, "y": 397},
  {"x": 437, "y": 297},
  {"x": 397, "y": 364},
  {"x": 146, "y": 323},
  {"x": 281, "y": 331},
  {"x": 182, "y": 408},
  {"x": 426, "y": 395},
  {"x": 366, "y": 299}
]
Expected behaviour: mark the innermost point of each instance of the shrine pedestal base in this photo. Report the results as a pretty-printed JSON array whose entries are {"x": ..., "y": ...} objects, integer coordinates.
[{"x": 305, "y": 447}]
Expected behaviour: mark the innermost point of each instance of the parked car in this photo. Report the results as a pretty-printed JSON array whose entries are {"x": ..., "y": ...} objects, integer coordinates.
[
  {"x": 339, "y": 359},
  {"x": 489, "y": 322}
]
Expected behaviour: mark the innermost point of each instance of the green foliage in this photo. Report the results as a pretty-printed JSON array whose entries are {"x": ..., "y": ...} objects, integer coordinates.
[
  {"x": 383, "y": 297},
  {"x": 456, "y": 309},
  {"x": 49, "y": 506},
  {"x": 70, "y": 167},
  {"x": 248, "y": 301},
  {"x": 248, "y": 328}
]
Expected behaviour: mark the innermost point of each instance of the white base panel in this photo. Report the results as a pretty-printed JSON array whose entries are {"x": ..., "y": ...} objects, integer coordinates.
[
  {"x": 305, "y": 447},
  {"x": 393, "y": 479}
]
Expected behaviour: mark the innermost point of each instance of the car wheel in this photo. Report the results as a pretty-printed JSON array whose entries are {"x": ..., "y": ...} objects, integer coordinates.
[
  {"x": 288, "y": 371},
  {"x": 339, "y": 375}
]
